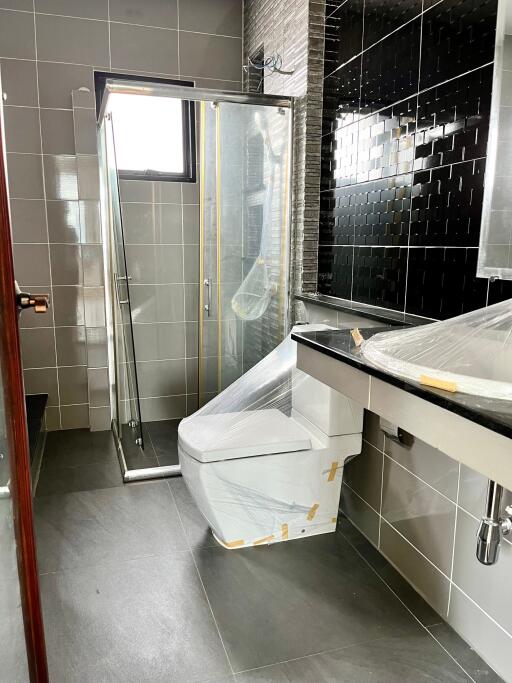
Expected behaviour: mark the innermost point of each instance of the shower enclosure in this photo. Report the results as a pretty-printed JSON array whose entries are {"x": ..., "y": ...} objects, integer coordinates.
[{"x": 197, "y": 271}]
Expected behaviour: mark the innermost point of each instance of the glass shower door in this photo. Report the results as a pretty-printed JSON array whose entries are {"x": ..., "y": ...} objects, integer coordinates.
[
  {"x": 128, "y": 413},
  {"x": 245, "y": 157}
]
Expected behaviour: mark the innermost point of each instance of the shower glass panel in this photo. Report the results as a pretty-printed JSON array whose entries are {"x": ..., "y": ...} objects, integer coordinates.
[
  {"x": 244, "y": 238},
  {"x": 196, "y": 329},
  {"x": 128, "y": 415}
]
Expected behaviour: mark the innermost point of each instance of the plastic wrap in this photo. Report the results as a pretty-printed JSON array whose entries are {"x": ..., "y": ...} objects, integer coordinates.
[
  {"x": 263, "y": 460},
  {"x": 471, "y": 353}
]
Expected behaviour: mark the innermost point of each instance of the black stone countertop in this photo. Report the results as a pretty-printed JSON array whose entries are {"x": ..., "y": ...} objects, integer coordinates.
[{"x": 493, "y": 414}]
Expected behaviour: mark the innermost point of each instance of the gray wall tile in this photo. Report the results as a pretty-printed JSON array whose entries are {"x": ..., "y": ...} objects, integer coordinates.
[
  {"x": 73, "y": 384},
  {"x": 88, "y": 177},
  {"x": 17, "y": 35},
  {"x": 74, "y": 417},
  {"x": 361, "y": 514},
  {"x": 26, "y": 5},
  {"x": 42, "y": 381},
  {"x": 190, "y": 224},
  {"x": 427, "y": 580},
  {"x": 92, "y": 259},
  {"x": 99, "y": 419},
  {"x": 38, "y": 347},
  {"x": 52, "y": 418},
  {"x": 22, "y": 130},
  {"x": 92, "y": 9},
  {"x": 152, "y": 223},
  {"x": 364, "y": 475},
  {"x": 472, "y": 491},
  {"x": 56, "y": 81},
  {"x": 427, "y": 463},
  {"x": 63, "y": 221},
  {"x": 68, "y": 304},
  {"x": 25, "y": 176},
  {"x": 94, "y": 305},
  {"x": 146, "y": 49},
  {"x": 489, "y": 640},
  {"x": 57, "y": 131},
  {"x": 90, "y": 224},
  {"x": 70, "y": 45},
  {"x": 161, "y": 378},
  {"x": 61, "y": 177},
  {"x": 98, "y": 387},
  {"x": 28, "y": 220},
  {"x": 75, "y": 41},
  {"x": 223, "y": 17},
  {"x": 159, "y": 341},
  {"x": 163, "y": 408},
  {"x": 210, "y": 56},
  {"x": 162, "y": 13},
  {"x": 85, "y": 131},
  {"x": 19, "y": 82},
  {"x": 484, "y": 585},
  {"x": 71, "y": 345},
  {"x": 32, "y": 265},
  {"x": 422, "y": 515},
  {"x": 97, "y": 355},
  {"x": 372, "y": 431},
  {"x": 66, "y": 260}
]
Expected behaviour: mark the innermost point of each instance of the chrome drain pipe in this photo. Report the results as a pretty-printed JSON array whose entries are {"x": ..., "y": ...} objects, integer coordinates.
[{"x": 492, "y": 526}]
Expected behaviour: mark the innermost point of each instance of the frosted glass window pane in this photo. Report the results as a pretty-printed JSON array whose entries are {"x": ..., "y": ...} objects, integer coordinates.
[{"x": 148, "y": 133}]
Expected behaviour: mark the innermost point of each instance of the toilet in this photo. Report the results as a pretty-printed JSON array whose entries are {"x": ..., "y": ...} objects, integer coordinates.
[{"x": 263, "y": 476}]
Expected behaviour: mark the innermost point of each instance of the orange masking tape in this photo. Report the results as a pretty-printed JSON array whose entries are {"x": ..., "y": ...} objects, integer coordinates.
[{"x": 312, "y": 512}]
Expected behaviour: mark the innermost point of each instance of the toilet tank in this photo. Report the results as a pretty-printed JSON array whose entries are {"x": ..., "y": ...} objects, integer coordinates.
[{"x": 330, "y": 411}]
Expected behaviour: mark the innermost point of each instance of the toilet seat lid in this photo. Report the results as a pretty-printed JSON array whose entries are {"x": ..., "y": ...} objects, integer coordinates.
[{"x": 209, "y": 438}]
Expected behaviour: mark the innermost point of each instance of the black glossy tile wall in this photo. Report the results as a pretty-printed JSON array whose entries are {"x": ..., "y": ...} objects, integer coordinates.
[
  {"x": 379, "y": 276},
  {"x": 458, "y": 35},
  {"x": 442, "y": 283},
  {"x": 390, "y": 68},
  {"x": 405, "y": 129}
]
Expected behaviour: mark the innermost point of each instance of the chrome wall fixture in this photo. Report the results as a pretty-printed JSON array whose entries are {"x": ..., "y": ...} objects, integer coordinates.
[{"x": 493, "y": 525}]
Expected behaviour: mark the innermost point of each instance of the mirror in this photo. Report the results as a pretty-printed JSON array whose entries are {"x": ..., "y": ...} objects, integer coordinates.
[{"x": 495, "y": 252}]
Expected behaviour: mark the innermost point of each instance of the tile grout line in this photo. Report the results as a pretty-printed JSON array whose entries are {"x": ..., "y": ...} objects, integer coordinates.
[
  {"x": 453, "y": 544},
  {"x": 200, "y": 578},
  {"x": 414, "y": 147},
  {"x": 43, "y": 177},
  {"x": 425, "y": 628}
]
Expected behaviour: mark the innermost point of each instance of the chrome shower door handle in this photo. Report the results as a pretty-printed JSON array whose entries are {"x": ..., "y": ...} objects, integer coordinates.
[{"x": 208, "y": 305}]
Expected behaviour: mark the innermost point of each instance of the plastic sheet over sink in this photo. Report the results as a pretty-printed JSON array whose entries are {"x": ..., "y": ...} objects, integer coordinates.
[{"x": 471, "y": 353}]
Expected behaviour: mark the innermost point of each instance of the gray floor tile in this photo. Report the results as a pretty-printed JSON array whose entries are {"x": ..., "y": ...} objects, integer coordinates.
[
  {"x": 164, "y": 439},
  {"x": 114, "y": 524},
  {"x": 96, "y": 475},
  {"x": 196, "y": 528},
  {"x": 135, "y": 621},
  {"x": 421, "y": 609},
  {"x": 464, "y": 654},
  {"x": 409, "y": 659},
  {"x": 291, "y": 599},
  {"x": 78, "y": 447}
]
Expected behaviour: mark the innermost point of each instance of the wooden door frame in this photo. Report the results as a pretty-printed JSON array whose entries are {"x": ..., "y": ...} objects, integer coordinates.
[{"x": 17, "y": 442}]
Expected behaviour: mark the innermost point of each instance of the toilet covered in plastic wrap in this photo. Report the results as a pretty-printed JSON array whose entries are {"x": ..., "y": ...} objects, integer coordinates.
[{"x": 264, "y": 459}]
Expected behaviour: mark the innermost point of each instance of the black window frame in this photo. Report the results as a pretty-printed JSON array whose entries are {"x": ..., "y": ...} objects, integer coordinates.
[{"x": 188, "y": 128}]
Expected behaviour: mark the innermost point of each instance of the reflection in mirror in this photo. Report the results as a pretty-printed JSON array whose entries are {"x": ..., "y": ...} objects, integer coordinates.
[{"x": 495, "y": 252}]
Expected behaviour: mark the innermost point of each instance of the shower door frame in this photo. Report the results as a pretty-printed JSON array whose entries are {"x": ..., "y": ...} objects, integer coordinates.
[{"x": 131, "y": 86}]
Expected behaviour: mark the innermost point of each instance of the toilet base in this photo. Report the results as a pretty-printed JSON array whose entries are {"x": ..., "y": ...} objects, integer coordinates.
[{"x": 288, "y": 535}]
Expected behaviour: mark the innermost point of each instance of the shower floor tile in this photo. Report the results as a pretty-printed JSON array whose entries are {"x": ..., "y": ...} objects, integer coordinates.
[{"x": 164, "y": 439}]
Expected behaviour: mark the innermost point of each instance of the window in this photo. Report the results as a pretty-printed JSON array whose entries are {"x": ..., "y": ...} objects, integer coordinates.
[{"x": 154, "y": 136}]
